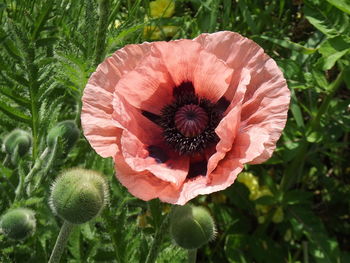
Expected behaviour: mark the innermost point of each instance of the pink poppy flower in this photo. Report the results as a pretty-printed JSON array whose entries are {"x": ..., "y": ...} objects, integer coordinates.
[{"x": 181, "y": 118}]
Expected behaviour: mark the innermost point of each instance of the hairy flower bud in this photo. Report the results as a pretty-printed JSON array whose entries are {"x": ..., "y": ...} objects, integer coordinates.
[
  {"x": 67, "y": 131},
  {"x": 191, "y": 227},
  {"x": 18, "y": 223},
  {"x": 78, "y": 195},
  {"x": 17, "y": 143}
]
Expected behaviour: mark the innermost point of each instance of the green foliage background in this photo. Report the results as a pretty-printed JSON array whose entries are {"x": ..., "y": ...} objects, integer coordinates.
[{"x": 48, "y": 50}]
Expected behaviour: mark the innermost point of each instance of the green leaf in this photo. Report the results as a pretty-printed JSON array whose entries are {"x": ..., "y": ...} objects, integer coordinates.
[
  {"x": 14, "y": 96},
  {"x": 324, "y": 249},
  {"x": 290, "y": 45},
  {"x": 234, "y": 246},
  {"x": 14, "y": 113},
  {"x": 296, "y": 111},
  {"x": 48, "y": 41},
  {"x": 332, "y": 50},
  {"x": 343, "y": 5},
  {"x": 265, "y": 200},
  {"x": 329, "y": 21},
  {"x": 296, "y": 197}
]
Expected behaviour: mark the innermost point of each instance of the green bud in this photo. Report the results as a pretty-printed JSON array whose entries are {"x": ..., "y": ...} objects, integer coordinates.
[
  {"x": 65, "y": 130},
  {"x": 78, "y": 195},
  {"x": 18, "y": 223},
  {"x": 17, "y": 142},
  {"x": 192, "y": 227}
]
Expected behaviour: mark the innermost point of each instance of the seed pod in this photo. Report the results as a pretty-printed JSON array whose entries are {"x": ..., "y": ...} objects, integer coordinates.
[
  {"x": 79, "y": 195},
  {"x": 17, "y": 143},
  {"x": 192, "y": 227},
  {"x": 65, "y": 130},
  {"x": 18, "y": 223}
]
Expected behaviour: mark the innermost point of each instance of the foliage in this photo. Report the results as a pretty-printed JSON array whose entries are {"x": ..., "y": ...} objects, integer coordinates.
[{"x": 49, "y": 49}]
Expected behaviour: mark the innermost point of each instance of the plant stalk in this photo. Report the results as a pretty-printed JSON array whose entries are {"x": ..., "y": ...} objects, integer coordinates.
[
  {"x": 61, "y": 242},
  {"x": 158, "y": 238},
  {"x": 101, "y": 31},
  {"x": 192, "y": 255}
]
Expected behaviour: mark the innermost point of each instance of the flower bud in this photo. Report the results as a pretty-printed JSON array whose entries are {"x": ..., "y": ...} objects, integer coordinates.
[
  {"x": 78, "y": 195},
  {"x": 191, "y": 227},
  {"x": 18, "y": 223},
  {"x": 65, "y": 130},
  {"x": 17, "y": 143}
]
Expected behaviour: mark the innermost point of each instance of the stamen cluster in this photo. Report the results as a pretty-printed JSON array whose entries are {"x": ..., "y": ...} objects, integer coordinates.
[{"x": 189, "y": 122}]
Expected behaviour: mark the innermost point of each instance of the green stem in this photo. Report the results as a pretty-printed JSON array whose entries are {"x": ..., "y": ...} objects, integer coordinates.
[
  {"x": 61, "y": 242},
  {"x": 305, "y": 252},
  {"x": 49, "y": 163},
  {"x": 158, "y": 238},
  {"x": 35, "y": 169},
  {"x": 101, "y": 30},
  {"x": 192, "y": 255},
  {"x": 6, "y": 160},
  {"x": 20, "y": 187}
]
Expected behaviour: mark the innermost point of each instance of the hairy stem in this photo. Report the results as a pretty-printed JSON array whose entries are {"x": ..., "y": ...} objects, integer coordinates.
[
  {"x": 192, "y": 255},
  {"x": 101, "y": 30},
  {"x": 49, "y": 163},
  {"x": 158, "y": 238},
  {"x": 61, "y": 242},
  {"x": 35, "y": 169}
]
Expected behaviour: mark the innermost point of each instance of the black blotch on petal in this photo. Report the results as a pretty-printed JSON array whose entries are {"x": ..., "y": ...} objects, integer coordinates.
[
  {"x": 183, "y": 88},
  {"x": 151, "y": 116},
  {"x": 197, "y": 168},
  {"x": 157, "y": 153},
  {"x": 222, "y": 104}
]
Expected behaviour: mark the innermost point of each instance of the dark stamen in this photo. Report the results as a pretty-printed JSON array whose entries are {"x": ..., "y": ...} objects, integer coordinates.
[
  {"x": 157, "y": 153},
  {"x": 197, "y": 168},
  {"x": 183, "y": 88},
  {"x": 222, "y": 104},
  {"x": 151, "y": 116}
]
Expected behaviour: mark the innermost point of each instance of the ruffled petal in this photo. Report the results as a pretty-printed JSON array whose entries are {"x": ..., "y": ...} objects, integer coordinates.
[
  {"x": 96, "y": 116},
  {"x": 170, "y": 167},
  {"x": 149, "y": 86},
  {"x": 129, "y": 118},
  {"x": 186, "y": 61},
  {"x": 267, "y": 106},
  {"x": 143, "y": 185},
  {"x": 229, "y": 125},
  {"x": 267, "y": 97},
  {"x": 244, "y": 150}
]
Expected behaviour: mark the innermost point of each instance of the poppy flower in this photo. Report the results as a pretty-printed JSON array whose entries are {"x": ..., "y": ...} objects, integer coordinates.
[{"x": 181, "y": 118}]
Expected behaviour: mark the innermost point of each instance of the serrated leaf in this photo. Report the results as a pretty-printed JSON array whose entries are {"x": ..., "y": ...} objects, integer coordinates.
[
  {"x": 48, "y": 41},
  {"x": 14, "y": 96},
  {"x": 14, "y": 113},
  {"x": 330, "y": 22},
  {"x": 332, "y": 50}
]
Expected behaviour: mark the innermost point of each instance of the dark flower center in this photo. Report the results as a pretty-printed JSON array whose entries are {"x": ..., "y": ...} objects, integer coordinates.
[{"x": 191, "y": 120}]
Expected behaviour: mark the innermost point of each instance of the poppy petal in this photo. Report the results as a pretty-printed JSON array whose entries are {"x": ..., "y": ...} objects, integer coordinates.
[
  {"x": 137, "y": 156},
  {"x": 96, "y": 115},
  {"x": 267, "y": 97},
  {"x": 129, "y": 118},
  {"x": 149, "y": 86},
  {"x": 186, "y": 61}
]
